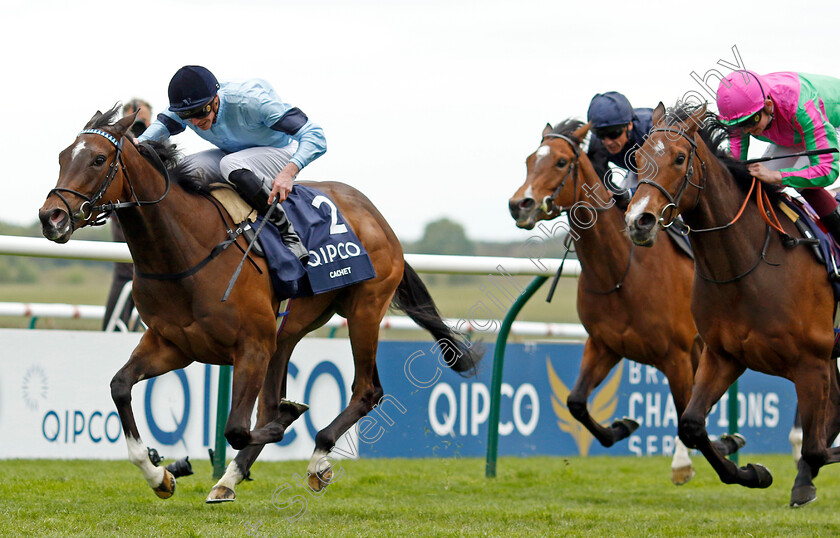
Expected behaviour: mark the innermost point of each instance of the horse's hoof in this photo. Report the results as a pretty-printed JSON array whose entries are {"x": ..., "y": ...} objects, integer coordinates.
[
  {"x": 760, "y": 476},
  {"x": 802, "y": 495},
  {"x": 732, "y": 443},
  {"x": 319, "y": 481},
  {"x": 166, "y": 488},
  {"x": 220, "y": 494},
  {"x": 295, "y": 409},
  {"x": 682, "y": 475},
  {"x": 624, "y": 427}
]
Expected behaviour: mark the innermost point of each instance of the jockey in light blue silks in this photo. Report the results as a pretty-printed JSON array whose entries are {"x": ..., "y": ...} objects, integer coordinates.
[{"x": 263, "y": 142}]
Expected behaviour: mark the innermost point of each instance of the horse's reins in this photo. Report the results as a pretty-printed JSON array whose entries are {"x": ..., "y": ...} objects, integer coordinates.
[
  {"x": 549, "y": 207},
  {"x": 765, "y": 208},
  {"x": 106, "y": 209}
]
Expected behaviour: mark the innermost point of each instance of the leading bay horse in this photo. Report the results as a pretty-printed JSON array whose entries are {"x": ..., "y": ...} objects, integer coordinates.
[
  {"x": 624, "y": 315},
  {"x": 171, "y": 228},
  {"x": 757, "y": 303}
]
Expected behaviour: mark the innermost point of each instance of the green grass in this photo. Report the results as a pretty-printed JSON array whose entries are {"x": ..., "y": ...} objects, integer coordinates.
[{"x": 597, "y": 496}]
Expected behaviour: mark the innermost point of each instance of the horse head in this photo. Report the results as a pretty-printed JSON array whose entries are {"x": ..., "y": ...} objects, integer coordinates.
[
  {"x": 547, "y": 189},
  {"x": 667, "y": 162},
  {"x": 89, "y": 171}
]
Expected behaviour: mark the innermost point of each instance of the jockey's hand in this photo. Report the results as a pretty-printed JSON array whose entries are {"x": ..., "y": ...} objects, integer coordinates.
[
  {"x": 758, "y": 170},
  {"x": 282, "y": 185}
]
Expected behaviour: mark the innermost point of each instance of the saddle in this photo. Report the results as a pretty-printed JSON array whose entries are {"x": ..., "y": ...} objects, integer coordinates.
[
  {"x": 824, "y": 248},
  {"x": 337, "y": 256}
]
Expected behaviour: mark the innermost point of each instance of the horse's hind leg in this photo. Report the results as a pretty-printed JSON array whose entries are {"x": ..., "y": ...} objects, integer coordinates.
[
  {"x": 714, "y": 376},
  {"x": 363, "y": 326},
  {"x": 154, "y": 356},
  {"x": 598, "y": 361}
]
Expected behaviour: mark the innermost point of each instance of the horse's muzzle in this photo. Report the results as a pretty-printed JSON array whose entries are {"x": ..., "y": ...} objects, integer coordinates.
[
  {"x": 642, "y": 229},
  {"x": 524, "y": 212},
  {"x": 55, "y": 224}
]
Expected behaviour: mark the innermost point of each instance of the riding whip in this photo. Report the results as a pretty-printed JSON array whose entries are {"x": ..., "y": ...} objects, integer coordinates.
[
  {"x": 271, "y": 208},
  {"x": 801, "y": 154}
]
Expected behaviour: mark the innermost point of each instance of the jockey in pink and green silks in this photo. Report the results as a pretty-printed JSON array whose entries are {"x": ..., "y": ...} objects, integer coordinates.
[{"x": 795, "y": 112}]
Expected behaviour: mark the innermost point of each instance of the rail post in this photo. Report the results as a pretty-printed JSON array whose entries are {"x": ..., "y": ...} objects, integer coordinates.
[
  {"x": 222, "y": 409},
  {"x": 498, "y": 369},
  {"x": 732, "y": 413}
]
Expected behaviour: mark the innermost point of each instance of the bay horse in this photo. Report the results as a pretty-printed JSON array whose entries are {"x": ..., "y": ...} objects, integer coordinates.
[
  {"x": 171, "y": 226},
  {"x": 757, "y": 303},
  {"x": 623, "y": 314}
]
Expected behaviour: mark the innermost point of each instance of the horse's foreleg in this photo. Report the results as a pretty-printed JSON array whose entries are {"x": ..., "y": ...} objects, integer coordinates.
[
  {"x": 680, "y": 373},
  {"x": 250, "y": 366},
  {"x": 816, "y": 393},
  {"x": 270, "y": 408},
  {"x": 152, "y": 357},
  {"x": 598, "y": 361},
  {"x": 714, "y": 376}
]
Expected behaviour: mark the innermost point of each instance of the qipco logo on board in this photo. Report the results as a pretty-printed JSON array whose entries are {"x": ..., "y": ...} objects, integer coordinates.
[{"x": 462, "y": 411}]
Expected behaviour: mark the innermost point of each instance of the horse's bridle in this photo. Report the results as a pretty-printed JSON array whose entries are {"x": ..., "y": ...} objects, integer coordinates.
[
  {"x": 548, "y": 206},
  {"x": 673, "y": 201},
  {"x": 89, "y": 206}
]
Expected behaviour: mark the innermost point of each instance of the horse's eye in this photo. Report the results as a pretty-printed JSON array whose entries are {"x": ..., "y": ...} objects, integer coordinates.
[
  {"x": 562, "y": 163},
  {"x": 99, "y": 160},
  {"x": 680, "y": 159}
]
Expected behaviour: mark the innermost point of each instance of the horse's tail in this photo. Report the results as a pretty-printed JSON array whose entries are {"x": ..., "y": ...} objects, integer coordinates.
[{"x": 412, "y": 297}]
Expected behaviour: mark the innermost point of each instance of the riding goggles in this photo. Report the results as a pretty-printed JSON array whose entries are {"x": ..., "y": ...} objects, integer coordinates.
[
  {"x": 197, "y": 113},
  {"x": 749, "y": 122},
  {"x": 610, "y": 132}
]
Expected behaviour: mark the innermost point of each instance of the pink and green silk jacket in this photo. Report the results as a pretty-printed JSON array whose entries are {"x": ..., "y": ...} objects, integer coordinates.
[{"x": 806, "y": 113}]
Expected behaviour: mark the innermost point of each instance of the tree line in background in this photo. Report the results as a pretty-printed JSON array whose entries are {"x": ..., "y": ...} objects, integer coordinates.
[{"x": 442, "y": 236}]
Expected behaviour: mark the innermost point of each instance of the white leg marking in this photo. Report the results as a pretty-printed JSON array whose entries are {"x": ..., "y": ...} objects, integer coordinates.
[
  {"x": 80, "y": 145},
  {"x": 233, "y": 475},
  {"x": 318, "y": 462},
  {"x": 139, "y": 456},
  {"x": 681, "y": 457},
  {"x": 636, "y": 209}
]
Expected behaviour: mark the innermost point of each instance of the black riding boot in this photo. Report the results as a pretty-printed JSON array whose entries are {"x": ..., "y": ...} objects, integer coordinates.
[
  {"x": 832, "y": 224},
  {"x": 256, "y": 193}
]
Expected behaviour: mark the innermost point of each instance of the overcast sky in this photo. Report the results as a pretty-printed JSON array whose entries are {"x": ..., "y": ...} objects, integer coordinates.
[{"x": 429, "y": 108}]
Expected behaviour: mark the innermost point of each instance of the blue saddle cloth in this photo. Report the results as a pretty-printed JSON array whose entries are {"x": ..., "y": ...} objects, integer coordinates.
[
  {"x": 828, "y": 250},
  {"x": 337, "y": 257}
]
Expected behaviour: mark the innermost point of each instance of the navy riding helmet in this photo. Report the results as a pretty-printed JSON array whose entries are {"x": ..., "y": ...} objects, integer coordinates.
[
  {"x": 608, "y": 110},
  {"x": 191, "y": 87}
]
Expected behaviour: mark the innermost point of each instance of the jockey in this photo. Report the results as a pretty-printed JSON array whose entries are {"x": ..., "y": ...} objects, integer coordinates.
[
  {"x": 618, "y": 130},
  {"x": 262, "y": 142},
  {"x": 795, "y": 112}
]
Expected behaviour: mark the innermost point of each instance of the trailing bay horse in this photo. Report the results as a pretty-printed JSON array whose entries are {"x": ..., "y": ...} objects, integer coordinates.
[
  {"x": 757, "y": 302},
  {"x": 173, "y": 229},
  {"x": 624, "y": 315}
]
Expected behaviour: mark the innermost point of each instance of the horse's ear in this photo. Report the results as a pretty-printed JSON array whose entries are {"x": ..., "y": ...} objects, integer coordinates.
[
  {"x": 658, "y": 113},
  {"x": 547, "y": 129},
  {"x": 93, "y": 119},
  {"x": 122, "y": 126},
  {"x": 697, "y": 119},
  {"x": 582, "y": 130}
]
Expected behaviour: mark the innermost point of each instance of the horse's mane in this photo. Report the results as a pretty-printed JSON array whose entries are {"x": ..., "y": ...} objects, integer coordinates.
[
  {"x": 179, "y": 172},
  {"x": 715, "y": 135},
  {"x": 567, "y": 128}
]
